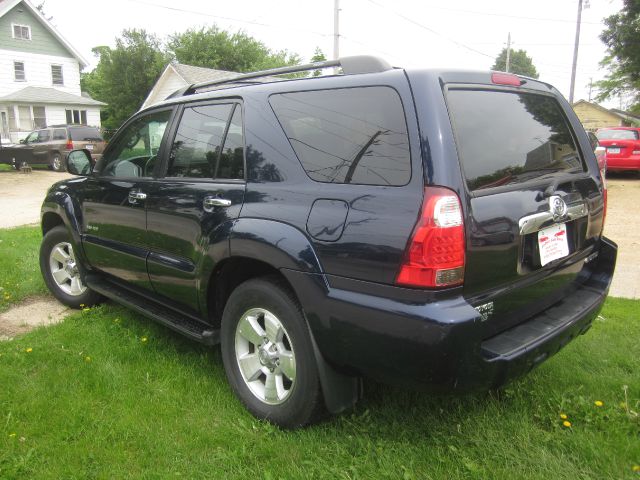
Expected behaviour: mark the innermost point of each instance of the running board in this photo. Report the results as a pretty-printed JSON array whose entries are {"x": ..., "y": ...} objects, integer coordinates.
[{"x": 187, "y": 326}]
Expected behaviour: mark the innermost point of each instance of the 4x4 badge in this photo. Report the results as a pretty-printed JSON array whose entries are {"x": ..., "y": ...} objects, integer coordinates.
[{"x": 557, "y": 207}]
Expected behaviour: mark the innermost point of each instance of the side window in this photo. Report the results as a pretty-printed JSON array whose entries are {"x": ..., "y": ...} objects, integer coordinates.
[
  {"x": 231, "y": 164},
  {"x": 196, "y": 148},
  {"x": 31, "y": 138},
  {"x": 59, "y": 134},
  {"x": 133, "y": 153},
  {"x": 44, "y": 136},
  {"x": 348, "y": 135}
]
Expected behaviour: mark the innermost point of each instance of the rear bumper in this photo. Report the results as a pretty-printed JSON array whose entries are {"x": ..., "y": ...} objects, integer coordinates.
[
  {"x": 393, "y": 335},
  {"x": 622, "y": 164}
]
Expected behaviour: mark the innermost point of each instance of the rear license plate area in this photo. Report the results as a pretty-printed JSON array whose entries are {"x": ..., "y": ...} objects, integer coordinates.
[{"x": 531, "y": 258}]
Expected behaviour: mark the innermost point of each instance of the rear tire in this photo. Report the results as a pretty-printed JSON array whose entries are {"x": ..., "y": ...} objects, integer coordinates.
[
  {"x": 62, "y": 271},
  {"x": 264, "y": 330}
]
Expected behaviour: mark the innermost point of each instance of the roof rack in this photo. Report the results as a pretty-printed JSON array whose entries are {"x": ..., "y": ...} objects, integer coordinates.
[{"x": 350, "y": 66}]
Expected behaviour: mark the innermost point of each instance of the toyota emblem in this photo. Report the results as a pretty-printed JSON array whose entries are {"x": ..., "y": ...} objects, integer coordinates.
[{"x": 557, "y": 207}]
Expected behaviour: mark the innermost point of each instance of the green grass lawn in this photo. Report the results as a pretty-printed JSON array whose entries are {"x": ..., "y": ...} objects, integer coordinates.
[
  {"x": 19, "y": 269},
  {"x": 109, "y": 394}
]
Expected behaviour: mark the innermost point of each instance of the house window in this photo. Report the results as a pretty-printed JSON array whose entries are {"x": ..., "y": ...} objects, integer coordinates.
[
  {"x": 21, "y": 32},
  {"x": 76, "y": 116},
  {"x": 18, "y": 72},
  {"x": 56, "y": 75},
  {"x": 25, "y": 121},
  {"x": 39, "y": 117}
]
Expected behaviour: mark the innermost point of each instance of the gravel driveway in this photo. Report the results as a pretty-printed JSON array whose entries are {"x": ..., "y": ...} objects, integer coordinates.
[{"x": 22, "y": 196}]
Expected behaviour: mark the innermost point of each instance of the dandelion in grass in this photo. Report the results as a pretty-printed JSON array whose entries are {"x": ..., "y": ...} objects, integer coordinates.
[
  {"x": 116, "y": 320},
  {"x": 598, "y": 403},
  {"x": 563, "y": 416},
  {"x": 144, "y": 339},
  {"x": 635, "y": 468},
  {"x": 11, "y": 435},
  {"x": 29, "y": 350},
  {"x": 566, "y": 424},
  {"x": 87, "y": 359}
]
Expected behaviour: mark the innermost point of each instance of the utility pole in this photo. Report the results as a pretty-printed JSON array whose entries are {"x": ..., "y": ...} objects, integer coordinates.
[
  {"x": 590, "y": 87},
  {"x": 508, "y": 52},
  {"x": 575, "y": 54},
  {"x": 336, "y": 32}
]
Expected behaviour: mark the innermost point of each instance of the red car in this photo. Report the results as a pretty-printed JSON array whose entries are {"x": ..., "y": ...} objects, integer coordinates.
[{"x": 623, "y": 147}]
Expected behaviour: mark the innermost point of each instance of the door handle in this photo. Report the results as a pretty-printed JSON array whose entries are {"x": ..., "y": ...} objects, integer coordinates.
[
  {"x": 134, "y": 196},
  {"x": 210, "y": 203}
]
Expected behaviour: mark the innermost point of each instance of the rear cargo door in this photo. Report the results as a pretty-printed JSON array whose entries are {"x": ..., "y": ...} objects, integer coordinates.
[{"x": 534, "y": 208}]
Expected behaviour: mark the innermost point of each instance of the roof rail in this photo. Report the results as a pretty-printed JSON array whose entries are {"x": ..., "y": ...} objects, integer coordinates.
[{"x": 350, "y": 66}]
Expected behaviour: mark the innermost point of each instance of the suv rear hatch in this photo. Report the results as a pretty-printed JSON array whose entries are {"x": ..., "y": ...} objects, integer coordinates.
[
  {"x": 88, "y": 138},
  {"x": 534, "y": 208}
]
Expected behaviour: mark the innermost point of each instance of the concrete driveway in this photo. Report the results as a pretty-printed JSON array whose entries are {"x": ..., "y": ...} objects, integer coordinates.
[{"x": 22, "y": 195}]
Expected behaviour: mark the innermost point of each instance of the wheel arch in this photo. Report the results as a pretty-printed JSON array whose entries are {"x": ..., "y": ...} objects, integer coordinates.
[{"x": 276, "y": 249}]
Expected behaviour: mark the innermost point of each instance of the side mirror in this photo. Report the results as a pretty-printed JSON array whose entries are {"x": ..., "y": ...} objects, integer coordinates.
[
  {"x": 79, "y": 162},
  {"x": 23, "y": 140}
]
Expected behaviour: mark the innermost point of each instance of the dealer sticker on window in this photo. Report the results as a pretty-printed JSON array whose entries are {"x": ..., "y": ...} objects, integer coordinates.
[{"x": 553, "y": 243}]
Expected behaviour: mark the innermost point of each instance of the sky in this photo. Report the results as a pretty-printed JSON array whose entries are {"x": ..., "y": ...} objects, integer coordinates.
[{"x": 464, "y": 34}]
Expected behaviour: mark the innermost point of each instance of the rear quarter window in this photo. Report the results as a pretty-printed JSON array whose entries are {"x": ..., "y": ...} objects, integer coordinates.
[
  {"x": 506, "y": 138},
  {"x": 349, "y": 135}
]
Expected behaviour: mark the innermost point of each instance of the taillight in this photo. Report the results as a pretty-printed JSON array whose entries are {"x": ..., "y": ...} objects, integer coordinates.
[
  {"x": 69, "y": 145},
  {"x": 435, "y": 254},
  {"x": 636, "y": 152},
  {"x": 602, "y": 165}
]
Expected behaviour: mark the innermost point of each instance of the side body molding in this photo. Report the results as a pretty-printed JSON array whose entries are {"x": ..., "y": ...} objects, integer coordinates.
[{"x": 275, "y": 243}]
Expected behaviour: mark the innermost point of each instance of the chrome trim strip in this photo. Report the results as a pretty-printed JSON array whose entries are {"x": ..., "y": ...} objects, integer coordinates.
[{"x": 537, "y": 221}]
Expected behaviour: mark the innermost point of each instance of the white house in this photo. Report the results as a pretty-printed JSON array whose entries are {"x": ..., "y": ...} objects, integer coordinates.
[
  {"x": 39, "y": 75},
  {"x": 178, "y": 75}
]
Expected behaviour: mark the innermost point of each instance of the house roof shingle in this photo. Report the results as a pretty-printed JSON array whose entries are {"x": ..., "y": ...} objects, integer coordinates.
[{"x": 48, "y": 95}]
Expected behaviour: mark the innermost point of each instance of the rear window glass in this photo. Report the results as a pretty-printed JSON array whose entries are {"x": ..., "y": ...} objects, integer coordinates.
[
  {"x": 80, "y": 134},
  {"x": 508, "y": 138},
  {"x": 350, "y": 135},
  {"x": 617, "y": 135}
]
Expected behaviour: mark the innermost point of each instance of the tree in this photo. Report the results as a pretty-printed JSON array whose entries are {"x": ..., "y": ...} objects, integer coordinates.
[
  {"x": 124, "y": 75},
  {"x": 622, "y": 36},
  {"x": 215, "y": 48},
  {"x": 519, "y": 63},
  {"x": 318, "y": 56}
]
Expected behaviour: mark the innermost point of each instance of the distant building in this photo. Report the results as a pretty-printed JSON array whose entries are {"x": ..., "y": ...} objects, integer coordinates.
[
  {"x": 177, "y": 75},
  {"x": 593, "y": 116},
  {"x": 39, "y": 74}
]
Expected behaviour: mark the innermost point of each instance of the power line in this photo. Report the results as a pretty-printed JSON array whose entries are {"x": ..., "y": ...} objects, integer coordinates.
[
  {"x": 505, "y": 15},
  {"x": 231, "y": 19},
  {"x": 431, "y": 30}
]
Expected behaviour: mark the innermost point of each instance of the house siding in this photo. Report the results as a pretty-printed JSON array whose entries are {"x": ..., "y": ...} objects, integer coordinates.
[
  {"x": 37, "y": 69},
  {"x": 42, "y": 41},
  {"x": 168, "y": 83},
  {"x": 593, "y": 118}
]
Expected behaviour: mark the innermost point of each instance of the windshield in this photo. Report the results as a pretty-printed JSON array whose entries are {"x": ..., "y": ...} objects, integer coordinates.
[
  {"x": 614, "y": 134},
  {"x": 510, "y": 137}
]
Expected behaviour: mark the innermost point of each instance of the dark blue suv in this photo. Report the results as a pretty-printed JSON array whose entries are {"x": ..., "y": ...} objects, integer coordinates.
[{"x": 414, "y": 226}]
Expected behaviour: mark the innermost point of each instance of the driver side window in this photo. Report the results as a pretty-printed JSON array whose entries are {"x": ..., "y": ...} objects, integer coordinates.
[{"x": 135, "y": 150}]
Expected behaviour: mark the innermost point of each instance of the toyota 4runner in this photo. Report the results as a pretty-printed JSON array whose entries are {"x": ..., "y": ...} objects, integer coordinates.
[{"x": 414, "y": 226}]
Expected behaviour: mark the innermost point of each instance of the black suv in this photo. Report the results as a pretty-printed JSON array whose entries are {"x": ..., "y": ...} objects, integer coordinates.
[{"x": 414, "y": 226}]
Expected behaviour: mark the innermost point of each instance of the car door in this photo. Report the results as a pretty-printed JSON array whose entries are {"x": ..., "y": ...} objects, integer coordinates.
[
  {"x": 189, "y": 212},
  {"x": 113, "y": 207}
]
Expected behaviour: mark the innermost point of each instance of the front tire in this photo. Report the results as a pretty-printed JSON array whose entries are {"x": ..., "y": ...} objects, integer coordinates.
[
  {"x": 56, "y": 162},
  {"x": 268, "y": 355},
  {"x": 62, "y": 271}
]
